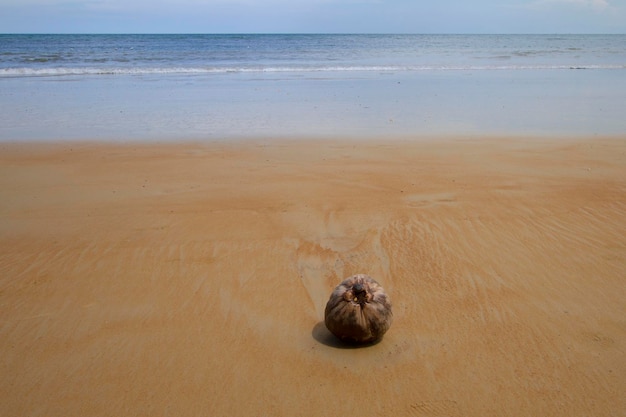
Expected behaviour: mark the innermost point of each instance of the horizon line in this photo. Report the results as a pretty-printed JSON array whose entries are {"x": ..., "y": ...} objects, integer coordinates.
[{"x": 322, "y": 33}]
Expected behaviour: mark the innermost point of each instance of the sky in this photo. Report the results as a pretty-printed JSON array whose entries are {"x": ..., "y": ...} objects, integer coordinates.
[{"x": 312, "y": 16}]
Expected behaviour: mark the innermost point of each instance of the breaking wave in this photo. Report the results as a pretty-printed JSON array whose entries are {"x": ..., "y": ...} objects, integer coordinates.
[{"x": 79, "y": 71}]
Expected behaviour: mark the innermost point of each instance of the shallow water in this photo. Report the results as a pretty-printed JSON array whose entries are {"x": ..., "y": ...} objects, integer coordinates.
[{"x": 208, "y": 86}]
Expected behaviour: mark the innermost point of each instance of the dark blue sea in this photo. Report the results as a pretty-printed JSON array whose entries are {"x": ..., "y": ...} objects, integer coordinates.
[{"x": 128, "y": 87}]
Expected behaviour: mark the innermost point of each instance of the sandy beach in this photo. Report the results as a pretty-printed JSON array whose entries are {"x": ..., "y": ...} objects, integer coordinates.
[{"x": 190, "y": 279}]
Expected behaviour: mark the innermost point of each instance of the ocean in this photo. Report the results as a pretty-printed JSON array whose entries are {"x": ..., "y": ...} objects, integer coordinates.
[{"x": 126, "y": 87}]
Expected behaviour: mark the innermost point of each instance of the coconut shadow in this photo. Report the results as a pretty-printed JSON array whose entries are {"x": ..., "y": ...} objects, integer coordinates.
[{"x": 325, "y": 337}]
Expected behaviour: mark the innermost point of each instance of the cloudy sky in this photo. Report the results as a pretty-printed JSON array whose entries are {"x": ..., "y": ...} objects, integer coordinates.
[{"x": 306, "y": 16}]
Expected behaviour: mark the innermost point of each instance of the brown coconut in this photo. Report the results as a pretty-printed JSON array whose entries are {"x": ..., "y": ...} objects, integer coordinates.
[{"x": 358, "y": 310}]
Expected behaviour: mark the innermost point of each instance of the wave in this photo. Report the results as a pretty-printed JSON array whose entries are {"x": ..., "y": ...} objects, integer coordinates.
[{"x": 66, "y": 71}]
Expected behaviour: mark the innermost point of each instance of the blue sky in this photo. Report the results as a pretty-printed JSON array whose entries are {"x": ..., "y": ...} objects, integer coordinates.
[{"x": 326, "y": 16}]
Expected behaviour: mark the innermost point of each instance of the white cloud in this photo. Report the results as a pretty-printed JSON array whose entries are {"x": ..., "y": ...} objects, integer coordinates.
[{"x": 594, "y": 4}]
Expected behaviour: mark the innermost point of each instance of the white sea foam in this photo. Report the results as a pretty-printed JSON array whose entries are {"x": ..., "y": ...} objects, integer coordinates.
[{"x": 76, "y": 71}]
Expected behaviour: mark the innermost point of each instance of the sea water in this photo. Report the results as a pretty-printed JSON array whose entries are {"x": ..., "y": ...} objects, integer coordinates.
[{"x": 128, "y": 87}]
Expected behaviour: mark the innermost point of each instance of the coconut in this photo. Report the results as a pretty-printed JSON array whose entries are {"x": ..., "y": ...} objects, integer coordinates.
[{"x": 358, "y": 310}]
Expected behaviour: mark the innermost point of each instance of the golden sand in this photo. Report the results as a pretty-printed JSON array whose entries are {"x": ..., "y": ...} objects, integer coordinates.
[{"x": 191, "y": 279}]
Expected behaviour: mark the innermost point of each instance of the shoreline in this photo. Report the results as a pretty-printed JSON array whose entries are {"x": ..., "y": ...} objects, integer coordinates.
[
  {"x": 533, "y": 102},
  {"x": 191, "y": 276},
  {"x": 417, "y": 137}
]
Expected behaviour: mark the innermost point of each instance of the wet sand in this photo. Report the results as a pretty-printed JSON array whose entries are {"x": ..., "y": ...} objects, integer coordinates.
[{"x": 191, "y": 279}]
